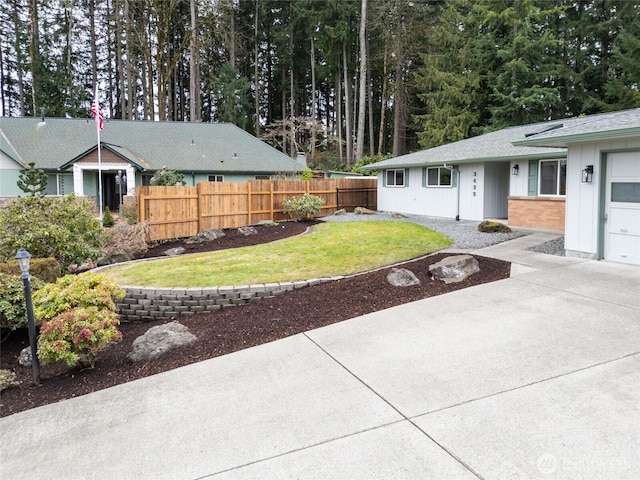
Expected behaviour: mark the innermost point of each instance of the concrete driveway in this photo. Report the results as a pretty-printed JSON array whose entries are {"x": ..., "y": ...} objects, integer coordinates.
[{"x": 536, "y": 376}]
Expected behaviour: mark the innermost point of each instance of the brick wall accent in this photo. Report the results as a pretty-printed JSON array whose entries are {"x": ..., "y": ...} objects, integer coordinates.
[
  {"x": 546, "y": 213},
  {"x": 147, "y": 304}
]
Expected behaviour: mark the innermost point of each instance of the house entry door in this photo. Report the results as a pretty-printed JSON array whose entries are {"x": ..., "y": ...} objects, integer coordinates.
[{"x": 622, "y": 208}]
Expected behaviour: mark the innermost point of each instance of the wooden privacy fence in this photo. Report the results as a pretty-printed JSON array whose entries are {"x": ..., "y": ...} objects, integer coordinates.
[{"x": 176, "y": 212}]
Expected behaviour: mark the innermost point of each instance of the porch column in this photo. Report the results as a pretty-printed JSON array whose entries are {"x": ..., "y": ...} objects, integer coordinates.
[
  {"x": 131, "y": 179},
  {"x": 78, "y": 180}
]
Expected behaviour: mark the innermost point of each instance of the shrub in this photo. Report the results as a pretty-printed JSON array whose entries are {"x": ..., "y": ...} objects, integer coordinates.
[
  {"x": 167, "y": 177},
  {"x": 305, "y": 207},
  {"x": 63, "y": 228},
  {"x": 47, "y": 269},
  {"x": 78, "y": 335},
  {"x": 7, "y": 379},
  {"x": 72, "y": 291},
  {"x": 107, "y": 218},
  {"x": 128, "y": 238},
  {"x": 129, "y": 210},
  {"x": 13, "y": 312}
]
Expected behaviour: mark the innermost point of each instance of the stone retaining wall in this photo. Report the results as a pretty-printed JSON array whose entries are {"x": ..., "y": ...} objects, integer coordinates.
[{"x": 146, "y": 304}]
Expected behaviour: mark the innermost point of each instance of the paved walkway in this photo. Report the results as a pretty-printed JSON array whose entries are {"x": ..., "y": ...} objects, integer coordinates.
[{"x": 532, "y": 377}]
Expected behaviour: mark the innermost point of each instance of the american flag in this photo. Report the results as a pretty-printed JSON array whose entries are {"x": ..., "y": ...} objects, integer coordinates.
[{"x": 97, "y": 113}]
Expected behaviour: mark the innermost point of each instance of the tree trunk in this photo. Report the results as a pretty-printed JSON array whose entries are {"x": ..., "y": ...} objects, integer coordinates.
[
  {"x": 194, "y": 80},
  {"x": 383, "y": 103},
  {"x": 131, "y": 92},
  {"x": 313, "y": 100},
  {"x": 256, "y": 79},
  {"x": 348, "y": 137},
  {"x": 34, "y": 53},
  {"x": 362, "y": 101}
]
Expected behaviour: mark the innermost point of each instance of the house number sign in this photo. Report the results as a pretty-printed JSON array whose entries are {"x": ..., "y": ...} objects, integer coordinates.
[{"x": 475, "y": 180}]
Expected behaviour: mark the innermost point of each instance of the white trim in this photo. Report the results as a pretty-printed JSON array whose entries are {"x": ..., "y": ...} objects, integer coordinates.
[{"x": 80, "y": 167}]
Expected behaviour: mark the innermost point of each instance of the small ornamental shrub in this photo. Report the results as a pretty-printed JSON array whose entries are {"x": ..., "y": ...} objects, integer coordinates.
[
  {"x": 7, "y": 379},
  {"x": 302, "y": 208},
  {"x": 47, "y": 269},
  {"x": 130, "y": 238},
  {"x": 32, "y": 180},
  {"x": 77, "y": 336},
  {"x": 13, "y": 312},
  {"x": 107, "y": 218},
  {"x": 72, "y": 291}
]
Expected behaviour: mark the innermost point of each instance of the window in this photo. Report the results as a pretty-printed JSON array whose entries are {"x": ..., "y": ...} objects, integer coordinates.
[
  {"x": 146, "y": 179},
  {"x": 553, "y": 177},
  {"x": 395, "y": 178},
  {"x": 263, "y": 177},
  {"x": 216, "y": 178},
  {"x": 438, "y": 177}
]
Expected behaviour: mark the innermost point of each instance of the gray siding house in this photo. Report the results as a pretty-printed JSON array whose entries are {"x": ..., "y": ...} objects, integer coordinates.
[{"x": 579, "y": 175}]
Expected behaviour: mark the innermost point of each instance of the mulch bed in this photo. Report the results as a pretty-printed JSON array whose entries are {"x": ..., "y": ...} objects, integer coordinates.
[{"x": 231, "y": 329}]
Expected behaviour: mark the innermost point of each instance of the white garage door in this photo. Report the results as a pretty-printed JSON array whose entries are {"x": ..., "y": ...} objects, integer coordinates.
[{"x": 622, "y": 208}]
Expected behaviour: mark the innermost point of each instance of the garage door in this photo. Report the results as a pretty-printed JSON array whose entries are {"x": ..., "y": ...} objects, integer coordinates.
[{"x": 622, "y": 208}]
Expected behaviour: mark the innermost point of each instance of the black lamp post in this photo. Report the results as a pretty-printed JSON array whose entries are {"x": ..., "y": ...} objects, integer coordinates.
[
  {"x": 121, "y": 181},
  {"x": 23, "y": 258}
]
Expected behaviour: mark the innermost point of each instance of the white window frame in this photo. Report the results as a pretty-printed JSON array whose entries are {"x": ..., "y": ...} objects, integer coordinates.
[
  {"x": 439, "y": 185},
  {"x": 395, "y": 178},
  {"x": 558, "y": 180},
  {"x": 216, "y": 178}
]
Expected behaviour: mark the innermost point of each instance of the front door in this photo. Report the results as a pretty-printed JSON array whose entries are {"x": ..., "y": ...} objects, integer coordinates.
[{"x": 622, "y": 208}]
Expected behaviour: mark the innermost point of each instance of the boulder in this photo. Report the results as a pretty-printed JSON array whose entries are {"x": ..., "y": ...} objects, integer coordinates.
[
  {"x": 493, "y": 227},
  {"x": 342, "y": 211},
  {"x": 454, "y": 269},
  {"x": 25, "y": 358},
  {"x": 160, "y": 339},
  {"x": 205, "y": 236},
  {"x": 115, "y": 257},
  {"x": 266, "y": 223},
  {"x": 248, "y": 230},
  {"x": 364, "y": 211},
  {"x": 172, "y": 252},
  {"x": 84, "y": 267},
  {"x": 398, "y": 215},
  {"x": 401, "y": 277}
]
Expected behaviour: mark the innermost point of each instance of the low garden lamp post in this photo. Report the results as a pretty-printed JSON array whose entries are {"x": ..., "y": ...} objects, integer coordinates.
[{"x": 23, "y": 258}]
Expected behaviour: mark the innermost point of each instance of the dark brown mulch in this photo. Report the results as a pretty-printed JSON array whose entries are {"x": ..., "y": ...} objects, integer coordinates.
[{"x": 232, "y": 329}]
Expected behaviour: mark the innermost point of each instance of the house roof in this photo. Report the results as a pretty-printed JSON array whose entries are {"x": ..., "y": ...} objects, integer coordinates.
[
  {"x": 533, "y": 141},
  {"x": 621, "y": 124},
  {"x": 57, "y": 143}
]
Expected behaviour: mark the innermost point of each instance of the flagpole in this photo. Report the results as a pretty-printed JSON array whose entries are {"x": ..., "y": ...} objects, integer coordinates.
[{"x": 99, "y": 156}]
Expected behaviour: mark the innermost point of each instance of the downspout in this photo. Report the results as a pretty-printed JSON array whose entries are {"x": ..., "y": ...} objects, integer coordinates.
[{"x": 458, "y": 188}]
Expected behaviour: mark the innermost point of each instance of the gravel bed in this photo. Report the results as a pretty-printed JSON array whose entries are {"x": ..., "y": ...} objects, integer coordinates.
[
  {"x": 552, "y": 247},
  {"x": 464, "y": 233}
]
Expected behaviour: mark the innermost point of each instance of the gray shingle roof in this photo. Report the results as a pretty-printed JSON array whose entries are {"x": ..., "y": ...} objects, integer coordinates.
[
  {"x": 619, "y": 124},
  {"x": 197, "y": 147},
  {"x": 493, "y": 146}
]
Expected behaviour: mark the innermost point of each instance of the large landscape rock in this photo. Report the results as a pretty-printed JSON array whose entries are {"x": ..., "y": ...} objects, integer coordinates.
[
  {"x": 160, "y": 339},
  {"x": 401, "y": 277},
  {"x": 205, "y": 236},
  {"x": 248, "y": 230},
  {"x": 364, "y": 211},
  {"x": 115, "y": 257},
  {"x": 493, "y": 227},
  {"x": 454, "y": 269}
]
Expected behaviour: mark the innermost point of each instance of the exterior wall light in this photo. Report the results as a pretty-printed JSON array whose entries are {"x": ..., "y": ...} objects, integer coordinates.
[
  {"x": 587, "y": 174},
  {"x": 515, "y": 170},
  {"x": 23, "y": 258}
]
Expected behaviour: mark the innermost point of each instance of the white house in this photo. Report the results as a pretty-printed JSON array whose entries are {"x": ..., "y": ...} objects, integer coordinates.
[
  {"x": 532, "y": 176},
  {"x": 603, "y": 184}
]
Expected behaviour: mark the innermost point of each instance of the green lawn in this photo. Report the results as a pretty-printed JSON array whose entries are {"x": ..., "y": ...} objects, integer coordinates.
[{"x": 330, "y": 249}]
